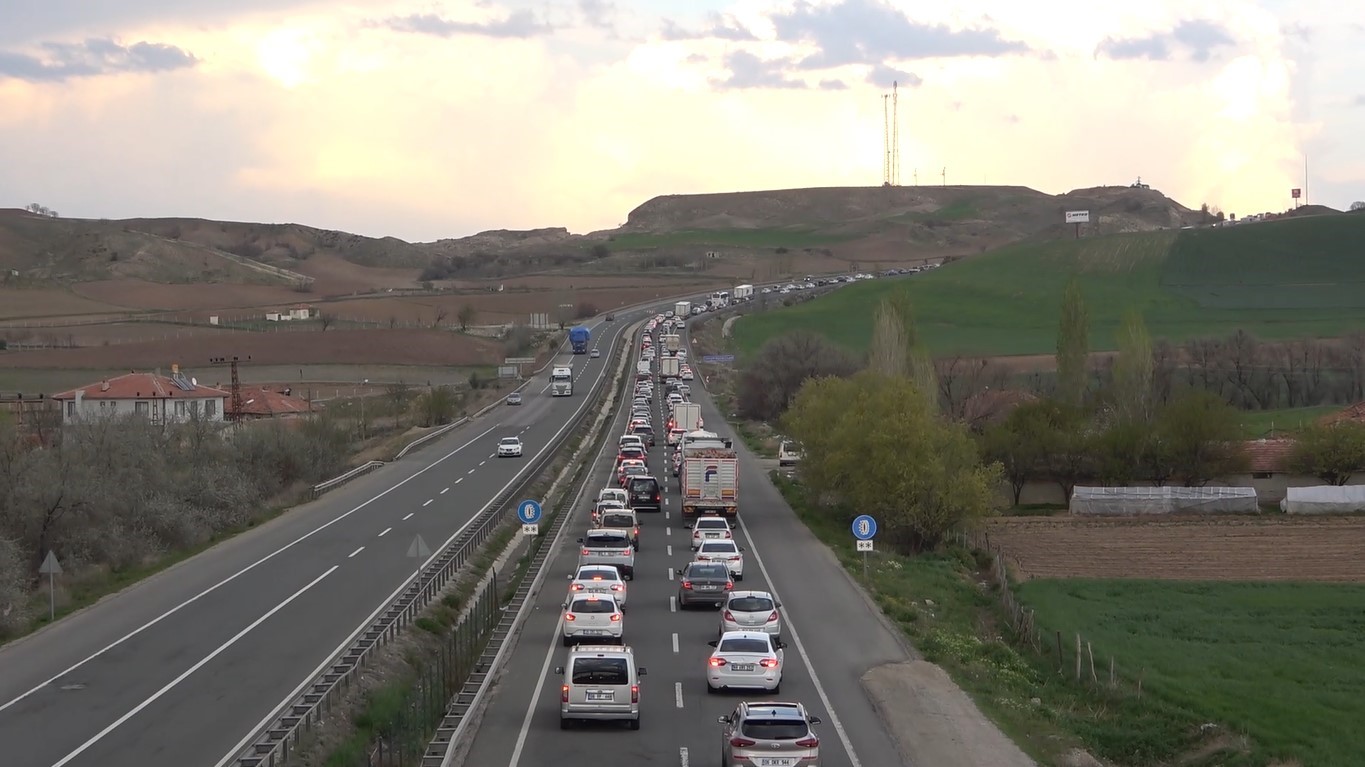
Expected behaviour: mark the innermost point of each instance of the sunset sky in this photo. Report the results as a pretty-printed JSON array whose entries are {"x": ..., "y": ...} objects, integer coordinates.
[{"x": 441, "y": 119}]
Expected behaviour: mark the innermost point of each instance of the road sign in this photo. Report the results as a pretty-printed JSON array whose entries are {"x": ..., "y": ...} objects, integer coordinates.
[
  {"x": 418, "y": 549},
  {"x": 718, "y": 358},
  {"x": 530, "y": 529},
  {"x": 51, "y": 568},
  {"x": 864, "y": 527},
  {"x": 864, "y": 545},
  {"x": 50, "y": 565},
  {"x": 519, "y": 360},
  {"x": 528, "y": 511}
]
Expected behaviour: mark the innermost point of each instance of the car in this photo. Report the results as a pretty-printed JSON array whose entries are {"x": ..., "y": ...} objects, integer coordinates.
[
  {"x": 600, "y": 683},
  {"x": 629, "y": 439},
  {"x": 609, "y": 493},
  {"x": 611, "y": 318},
  {"x": 675, "y": 435},
  {"x": 686, "y": 374},
  {"x": 632, "y": 453},
  {"x": 646, "y": 494},
  {"x": 595, "y": 617},
  {"x": 748, "y": 659},
  {"x": 594, "y": 354},
  {"x": 599, "y": 579},
  {"x": 514, "y": 398},
  {"x": 621, "y": 471},
  {"x": 760, "y": 734},
  {"x": 635, "y": 469},
  {"x": 608, "y": 547},
  {"x": 710, "y": 529},
  {"x": 703, "y": 583},
  {"x": 674, "y": 398},
  {"x": 645, "y": 431},
  {"x": 509, "y": 447},
  {"x": 621, "y": 519},
  {"x": 751, "y": 611},
  {"x": 788, "y": 454},
  {"x": 728, "y": 553},
  {"x": 603, "y": 506}
]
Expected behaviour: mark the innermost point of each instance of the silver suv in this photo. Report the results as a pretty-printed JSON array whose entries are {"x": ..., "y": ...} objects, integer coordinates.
[
  {"x": 769, "y": 735},
  {"x": 608, "y": 546}
]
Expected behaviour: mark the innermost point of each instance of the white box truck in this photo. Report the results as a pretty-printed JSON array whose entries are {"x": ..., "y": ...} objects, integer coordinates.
[
  {"x": 687, "y": 416},
  {"x": 670, "y": 367},
  {"x": 682, "y": 308},
  {"x": 672, "y": 342},
  {"x": 743, "y": 292}
]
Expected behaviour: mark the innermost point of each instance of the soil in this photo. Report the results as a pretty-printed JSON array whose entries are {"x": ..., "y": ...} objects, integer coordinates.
[
  {"x": 42, "y": 302},
  {"x": 1231, "y": 548},
  {"x": 142, "y": 295}
]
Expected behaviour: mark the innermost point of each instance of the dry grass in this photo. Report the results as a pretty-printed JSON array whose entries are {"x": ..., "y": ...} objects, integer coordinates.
[
  {"x": 44, "y": 302},
  {"x": 143, "y": 295}
]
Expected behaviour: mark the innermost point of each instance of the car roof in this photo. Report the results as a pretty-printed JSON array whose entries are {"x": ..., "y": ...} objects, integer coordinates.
[
  {"x": 595, "y": 597},
  {"x": 600, "y": 650},
  {"x": 712, "y": 519},
  {"x": 605, "y": 533},
  {"x": 511, "y": 439},
  {"x": 719, "y": 541},
  {"x": 598, "y": 569},
  {"x": 775, "y": 710},
  {"x": 744, "y": 635}
]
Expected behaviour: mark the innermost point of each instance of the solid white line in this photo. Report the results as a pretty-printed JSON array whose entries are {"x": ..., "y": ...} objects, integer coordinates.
[
  {"x": 446, "y": 490},
  {"x": 243, "y": 571},
  {"x": 682, "y": 757},
  {"x": 677, "y": 693},
  {"x": 675, "y": 643},
  {"x": 386, "y": 532},
  {"x": 357, "y": 551},
  {"x": 535, "y": 697},
  {"x": 790, "y": 628},
  {"x": 409, "y": 516},
  {"x": 428, "y": 503},
  {"x": 673, "y": 604},
  {"x": 205, "y": 661},
  {"x": 670, "y": 573}
]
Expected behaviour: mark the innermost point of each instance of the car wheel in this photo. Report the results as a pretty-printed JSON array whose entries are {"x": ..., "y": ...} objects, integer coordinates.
[
  {"x": 568, "y": 642},
  {"x": 635, "y": 723},
  {"x": 739, "y": 576},
  {"x": 630, "y": 574},
  {"x": 777, "y": 689},
  {"x": 563, "y": 723}
]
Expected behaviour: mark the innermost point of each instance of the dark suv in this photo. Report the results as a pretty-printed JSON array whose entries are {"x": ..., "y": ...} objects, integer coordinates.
[{"x": 644, "y": 494}]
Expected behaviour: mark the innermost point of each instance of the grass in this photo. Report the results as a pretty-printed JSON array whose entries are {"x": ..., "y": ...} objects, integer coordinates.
[
  {"x": 1283, "y": 279},
  {"x": 1270, "y": 423},
  {"x": 1278, "y": 661},
  {"x": 739, "y": 238}
]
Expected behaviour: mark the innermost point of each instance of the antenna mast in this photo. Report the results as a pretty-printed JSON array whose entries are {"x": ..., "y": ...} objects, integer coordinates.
[
  {"x": 886, "y": 141},
  {"x": 895, "y": 135}
]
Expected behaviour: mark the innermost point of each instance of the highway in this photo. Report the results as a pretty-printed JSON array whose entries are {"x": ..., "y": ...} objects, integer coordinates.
[
  {"x": 178, "y": 669},
  {"x": 833, "y": 634}
]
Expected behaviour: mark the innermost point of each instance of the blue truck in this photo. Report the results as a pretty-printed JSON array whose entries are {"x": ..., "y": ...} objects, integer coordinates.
[{"x": 579, "y": 337}]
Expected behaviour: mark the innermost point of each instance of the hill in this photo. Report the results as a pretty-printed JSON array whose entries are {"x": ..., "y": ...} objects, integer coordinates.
[{"x": 1289, "y": 278}]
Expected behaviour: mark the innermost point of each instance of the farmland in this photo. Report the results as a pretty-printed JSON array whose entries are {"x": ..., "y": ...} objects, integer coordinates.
[
  {"x": 1284, "y": 279},
  {"x": 1261, "y": 423}
]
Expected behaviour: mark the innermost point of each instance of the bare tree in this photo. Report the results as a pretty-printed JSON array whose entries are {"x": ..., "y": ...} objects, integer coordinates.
[
  {"x": 961, "y": 379},
  {"x": 466, "y": 316},
  {"x": 770, "y": 382},
  {"x": 440, "y": 315},
  {"x": 326, "y": 320}
]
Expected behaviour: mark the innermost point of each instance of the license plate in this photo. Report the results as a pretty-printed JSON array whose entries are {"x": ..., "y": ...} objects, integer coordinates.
[
  {"x": 743, "y": 667},
  {"x": 712, "y": 535},
  {"x": 607, "y": 697},
  {"x": 708, "y": 588},
  {"x": 773, "y": 761}
]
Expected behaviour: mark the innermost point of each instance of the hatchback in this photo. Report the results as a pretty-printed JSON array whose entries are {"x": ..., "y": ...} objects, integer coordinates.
[
  {"x": 725, "y": 552},
  {"x": 702, "y": 583},
  {"x": 593, "y": 617},
  {"x": 751, "y": 611},
  {"x": 769, "y": 735}
]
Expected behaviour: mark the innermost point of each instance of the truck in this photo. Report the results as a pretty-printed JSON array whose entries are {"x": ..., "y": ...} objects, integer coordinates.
[
  {"x": 672, "y": 342},
  {"x": 561, "y": 381},
  {"x": 579, "y": 337},
  {"x": 708, "y": 478},
  {"x": 744, "y": 292},
  {"x": 682, "y": 308},
  {"x": 670, "y": 367},
  {"x": 686, "y": 416}
]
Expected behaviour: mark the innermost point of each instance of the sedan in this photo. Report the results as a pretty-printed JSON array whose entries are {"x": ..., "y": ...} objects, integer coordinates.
[
  {"x": 751, "y": 611},
  {"x": 710, "y": 529},
  {"x": 601, "y": 580},
  {"x": 595, "y": 354},
  {"x": 514, "y": 398},
  {"x": 727, "y": 553},
  {"x": 593, "y": 618},
  {"x": 703, "y": 583},
  {"x": 509, "y": 447},
  {"x": 745, "y": 659}
]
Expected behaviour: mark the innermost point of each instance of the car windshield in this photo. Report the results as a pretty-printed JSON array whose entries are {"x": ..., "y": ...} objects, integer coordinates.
[
  {"x": 774, "y": 729},
  {"x": 608, "y": 542},
  {"x": 633, "y": 470},
  {"x": 594, "y": 606},
  {"x": 744, "y": 645},
  {"x": 601, "y": 671},
  {"x": 708, "y": 571},
  {"x": 509, "y": 440},
  {"x": 719, "y": 547},
  {"x": 751, "y": 604},
  {"x": 713, "y": 524}
]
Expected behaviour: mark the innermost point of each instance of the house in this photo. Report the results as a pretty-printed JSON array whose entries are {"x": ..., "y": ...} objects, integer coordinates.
[
  {"x": 261, "y": 402},
  {"x": 160, "y": 399},
  {"x": 1353, "y": 414}
]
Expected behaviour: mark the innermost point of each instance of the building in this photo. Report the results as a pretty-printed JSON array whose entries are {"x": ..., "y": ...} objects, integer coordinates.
[
  {"x": 160, "y": 399},
  {"x": 261, "y": 402},
  {"x": 296, "y": 312}
]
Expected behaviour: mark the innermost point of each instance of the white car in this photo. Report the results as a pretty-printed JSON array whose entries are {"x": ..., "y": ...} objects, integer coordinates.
[
  {"x": 509, "y": 447},
  {"x": 751, "y": 611},
  {"x": 749, "y": 659},
  {"x": 594, "y": 618},
  {"x": 686, "y": 374},
  {"x": 710, "y": 529},
  {"x": 595, "y": 354},
  {"x": 727, "y": 553},
  {"x": 601, "y": 580},
  {"x": 613, "y": 493},
  {"x": 788, "y": 454}
]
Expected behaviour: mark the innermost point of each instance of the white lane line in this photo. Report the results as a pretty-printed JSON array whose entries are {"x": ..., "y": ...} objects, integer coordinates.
[
  {"x": 677, "y": 693},
  {"x": 244, "y": 571},
  {"x": 428, "y": 503},
  {"x": 668, "y": 531},
  {"x": 471, "y": 471},
  {"x": 670, "y": 573},
  {"x": 670, "y": 552},
  {"x": 673, "y": 604},
  {"x": 445, "y": 490},
  {"x": 682, "y": 757},
  {"x": 665, "y": 503},
  {"x": 203, "y": 662},
  {"x": 386, "y": 532},
  {"x": 409, "y": 516},
  {"x": 483, "y": 461},
  {"x": 461, "y": 479},
  {"x": 357, "y": 551},
  {"x": 801, "y": 649},
  {"x": 675, "y": 643}
]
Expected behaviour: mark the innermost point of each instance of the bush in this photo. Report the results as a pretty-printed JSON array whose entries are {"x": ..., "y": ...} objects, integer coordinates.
[{"x": 782, "y": 365}]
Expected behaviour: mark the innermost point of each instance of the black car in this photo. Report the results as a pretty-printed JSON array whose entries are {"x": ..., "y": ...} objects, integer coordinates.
[
  {"x": 611, "y": 318},
  {"x": 644, "y": 494}
]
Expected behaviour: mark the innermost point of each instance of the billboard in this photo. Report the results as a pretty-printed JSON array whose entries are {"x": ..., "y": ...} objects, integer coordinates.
[
  {"x": 1078, "y": 216},
  {"x": 1296, "y": 193}
]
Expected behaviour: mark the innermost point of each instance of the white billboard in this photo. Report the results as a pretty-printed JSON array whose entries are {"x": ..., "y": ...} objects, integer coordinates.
[{"x": 1078, "y": 216}]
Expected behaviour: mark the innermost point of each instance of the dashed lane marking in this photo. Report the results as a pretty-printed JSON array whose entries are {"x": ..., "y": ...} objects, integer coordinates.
[
  {"x": 409, "y": 516},
  {"x": 428, "y": 503},
  {"x": 677, "y": 693},
  {"x": 443, "y": 492},
  {"x": 386, "y": 532},
  {"x": 357, "y": 551}
]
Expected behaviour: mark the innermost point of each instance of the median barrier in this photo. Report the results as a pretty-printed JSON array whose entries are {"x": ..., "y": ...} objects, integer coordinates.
[{"x": 364, "y": 468}]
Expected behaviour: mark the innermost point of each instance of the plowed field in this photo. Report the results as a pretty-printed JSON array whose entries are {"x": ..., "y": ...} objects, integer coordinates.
[{"x": 1185, "y": 548}]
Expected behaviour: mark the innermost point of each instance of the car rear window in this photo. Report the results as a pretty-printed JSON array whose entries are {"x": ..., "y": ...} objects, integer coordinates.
[
  {"x": 751, "y": 604},
  {"x": 599, "y": 574},
  {"x": 719, "y": 547},
  {"x": 744, "y": 645},
  {"x": 644, "y": 485},
  {"x": 600, "y": 671},
  {"x": 618, "y": 520},
  {"x": 774, "y": 729},
  {"x": 714, "y": 524},
  {"x": 708, "y": 571},
  {"x": 608, "y": 542},
  {"x": 604, "y": 606}
]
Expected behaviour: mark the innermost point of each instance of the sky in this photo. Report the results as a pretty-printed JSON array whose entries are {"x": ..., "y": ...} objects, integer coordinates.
[{"x": 441, "y": 119}]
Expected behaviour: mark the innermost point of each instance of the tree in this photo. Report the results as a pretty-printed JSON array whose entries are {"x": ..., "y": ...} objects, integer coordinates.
[
  {"x": 873, "y": 446},
  {"x": 1333, "y": 454},
  {"x": 1357, "y": 205},
  {"x": 1073, "y": 345},
  {"x": 438, "y": 406},
  {"x": 326, "y": 320},
  {"x": 466, "y": 316},
  {"x": 1133, "y": 371},
  {"x": 440, "y": 315},
  {"x": 1200, "y": 434},
  {"x": 600, "y": 250},
  {"x": 1020, "y": 444},
  {"x": 769, "y": 382},
  {"x": 887, "y": 349},
  {"x": 919, "y": 364},
  {"x": 584, "y": 310}
]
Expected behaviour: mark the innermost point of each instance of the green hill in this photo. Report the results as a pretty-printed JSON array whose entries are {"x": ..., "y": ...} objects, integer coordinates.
[{"x": 1284, "y": 279}]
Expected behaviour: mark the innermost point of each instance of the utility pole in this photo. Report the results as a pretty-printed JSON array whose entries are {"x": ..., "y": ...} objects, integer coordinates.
[
  {"x": 234, "y": 413},
  {"x": 945, "y": 176}
]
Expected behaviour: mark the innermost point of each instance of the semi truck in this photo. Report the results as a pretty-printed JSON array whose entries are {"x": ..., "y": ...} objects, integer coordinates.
[
  {"x": 561, "y": 381},
  {"x": 682, "y": 309},
  {"x": 579, "y": 337},
  {"x": 672, "y": 342},
  {"x": 744, "y": 292},
  {"x": 708, "y": 478}
]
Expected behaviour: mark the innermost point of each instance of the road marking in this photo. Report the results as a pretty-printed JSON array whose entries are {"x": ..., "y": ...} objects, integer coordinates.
[
  {"x": 673, "y": 604},
  {"x": 682, "y": 757},
  {"x": 677, "y": 693},
  {"x": 471, "y": 471},
  {"x": 483, "y": 461},
  {"x": 386, "y": 532},
  {"x": 670, "y": 552},
  {"x": 461, "y": 479},
  {"x": 428, "y": 503},
  {"x": 409, "y": 516},
  {"x": 444, "y": 491},
  {"x": 203, "y": 662},
  {"x": 665, "y": 503},
  {"x": 675, "y": 643},
  {"x": 670, "y": 573},
  {"x": 357, "y": 551},
  {"x": 668, "y": 531},
  {"x": 244, "y": 571}
]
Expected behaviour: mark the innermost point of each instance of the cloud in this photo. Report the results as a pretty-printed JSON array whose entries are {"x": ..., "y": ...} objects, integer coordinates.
[
  {"x": 93, "y": 57},
  {"x": 598, "y": 13},
  {"x": 50, "y": 19},
  {"x": 517, "y": 24},
  {"x": 833, "y": 85},
  {"x": 718, "y": 27},
  {"x": 882, "y": 75},
  {"x": 1360, "y": 100},
  {"x": 749, "y": 71},
  {"x": 871, "y": 31},
  {"x": 1196, "y": 38}
]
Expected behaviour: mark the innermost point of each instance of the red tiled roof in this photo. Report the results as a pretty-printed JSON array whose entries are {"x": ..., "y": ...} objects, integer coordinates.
[
  {"x": 139, "y": 386},
  {"x": 1354, "y": 413},
  {"x": 1268, "y": 455},
  {"x": 261, "y": 402}
]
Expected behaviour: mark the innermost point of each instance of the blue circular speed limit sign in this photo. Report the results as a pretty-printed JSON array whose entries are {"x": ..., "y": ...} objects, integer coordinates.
[
  {"x": 528, "y": 512},
  {"x": 864, "y": 527}
]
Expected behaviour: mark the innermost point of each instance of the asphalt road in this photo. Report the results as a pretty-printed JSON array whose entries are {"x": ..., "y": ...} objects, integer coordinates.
[
  {"x": 180, "y": 668},
  {"x": 833, "y": 634}
]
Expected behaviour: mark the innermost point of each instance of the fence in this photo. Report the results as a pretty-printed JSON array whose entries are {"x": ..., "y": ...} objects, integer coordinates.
[{"x": 1075, "y": 656}]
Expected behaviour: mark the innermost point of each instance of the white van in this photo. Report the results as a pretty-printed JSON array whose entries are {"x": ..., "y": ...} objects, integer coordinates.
[{"x": 601, "y": 683}]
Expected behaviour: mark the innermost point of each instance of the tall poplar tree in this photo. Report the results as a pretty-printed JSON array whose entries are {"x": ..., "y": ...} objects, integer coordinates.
[{"x": 1073, "y": 345}]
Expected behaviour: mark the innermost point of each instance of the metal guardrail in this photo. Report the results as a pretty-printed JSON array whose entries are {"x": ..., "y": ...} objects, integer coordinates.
[
  {"x": 270, "y": 744},
  {"x": 364, "y": 468},
  {"x": 425, "y": 438}
]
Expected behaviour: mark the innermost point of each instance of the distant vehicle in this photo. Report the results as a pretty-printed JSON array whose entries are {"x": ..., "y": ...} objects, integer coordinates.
[
  {"x": 579, "y": 338},
  {"x": 788, "y": 454},
  {"x": 645, "y": 493},
  {"x": 772, "y": 733},
  {"x": 514, "y": 398},
  {"x": 509, "y": 447},
  {"x": 561, "y": 381},
  {"x": 601, "y": 580},
  {"x": 595, "y": 354},
  {"x": 611, "y": 318},
  {"x": 683, "y": 308},
  {"x": 744, "y": 292}
]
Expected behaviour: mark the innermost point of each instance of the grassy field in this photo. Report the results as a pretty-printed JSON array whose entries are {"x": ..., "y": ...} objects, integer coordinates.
[
  {"x": 53, "y": 381},
  {"x": 738, "y": 238},
  {"x": 1280, "y": 662},
  {"x": 1277, "y": 280},
  {"x": 1261, "y": 423}
]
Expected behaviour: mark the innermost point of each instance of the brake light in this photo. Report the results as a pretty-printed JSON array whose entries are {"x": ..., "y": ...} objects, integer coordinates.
[
  {"x": 687, "y": 585},
  {"x": 570, "y": 617},
  {"x": 564, "y": 693},
  {"x": 811, "y": 742},
  {"x": 615, "y": 617},
  {"x": 729, "y": 585},
  {"x": 576, "y": 587},
  {"x": 587, "y": 551},
  {"x": 768, "y": 663},
  {"x": 772, "y": 617},
  {"x": 729, "y": 616},
  {"x": 635, "y": 693},
  {"x": 619, "y": 587},
  {"x": 717, "y": 662},
  {"x": 728, "y": 534},
  {"x": 739, "y": 742},
  {"x": 656, "y": 496}
]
